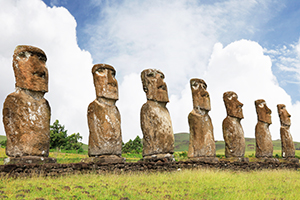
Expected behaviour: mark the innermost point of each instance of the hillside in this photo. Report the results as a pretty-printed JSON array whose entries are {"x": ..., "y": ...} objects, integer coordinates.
[{"x": 182, "y": 143}]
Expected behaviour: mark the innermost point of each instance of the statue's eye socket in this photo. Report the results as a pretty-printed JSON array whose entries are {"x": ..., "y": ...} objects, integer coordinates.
[
  {"x": 40, "y": 56},
  {"x": 151, "y": 74},
  {"x": 22, "y": 54},
  {"x": 230, "y": 97},
  {"x": 194, "y": 84},
  {"x": 261, "y": 105},
  {"x": 113, "y": 73},
  {"x": 100, "y": 70}
]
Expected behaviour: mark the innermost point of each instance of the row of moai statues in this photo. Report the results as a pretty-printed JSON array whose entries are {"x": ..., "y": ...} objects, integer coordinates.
[{"x": 26, "y": 118}]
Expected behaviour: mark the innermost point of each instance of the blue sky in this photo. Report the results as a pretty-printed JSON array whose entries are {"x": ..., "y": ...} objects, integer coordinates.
[
  {"x": 278, "y": 29},
  {"x": 247, "y": 46}
]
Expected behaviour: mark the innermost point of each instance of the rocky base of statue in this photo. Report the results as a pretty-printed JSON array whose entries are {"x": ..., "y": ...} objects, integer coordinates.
[
  {"x": 104, "y": 159},
  {"x": 29, "y": 160},
  {"x": 159, "y": 157},
  {"x": 205, "y": 159},
  {"x": 291, "y": 160},
  {"x": 267, "y": 159},
  {"x": 237, "y": 159}
]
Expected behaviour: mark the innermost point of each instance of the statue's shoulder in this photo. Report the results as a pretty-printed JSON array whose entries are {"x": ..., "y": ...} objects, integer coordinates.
[
  {"x": 146, "y": 106},
  {"x": 12, "y": 99},
  {"x": 95, "y": 105}
]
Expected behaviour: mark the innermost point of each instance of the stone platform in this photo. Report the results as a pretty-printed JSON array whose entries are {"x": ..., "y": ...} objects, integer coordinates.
[
  {"x": 104, "y": 159},
  {"x": 158, "y": 157},
  {"x": 237, "y": 159},
  {"x": 29, "y": 160},
  {"x": 55, "y": 169},
  {"x": 205, "y": 159}
]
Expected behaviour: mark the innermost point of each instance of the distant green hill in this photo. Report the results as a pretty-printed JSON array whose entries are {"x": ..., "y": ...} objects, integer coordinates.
[{"x": 182, "y": 143}]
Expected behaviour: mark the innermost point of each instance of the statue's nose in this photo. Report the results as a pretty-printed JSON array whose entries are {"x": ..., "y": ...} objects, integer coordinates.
[{"x": 111, "y": 80}]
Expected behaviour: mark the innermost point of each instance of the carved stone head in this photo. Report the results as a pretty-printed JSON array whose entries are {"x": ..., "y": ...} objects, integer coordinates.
[
  {"x": 29, "y": 64},
  {"x": 285, "y": 117},
  {"x": 154, "y": 85},
  {"x": 263, "y": 112},
  {"x": 105, "y": 82},
  {"x": 200, "y": 95},
  {"x": 232, "y": 104}
]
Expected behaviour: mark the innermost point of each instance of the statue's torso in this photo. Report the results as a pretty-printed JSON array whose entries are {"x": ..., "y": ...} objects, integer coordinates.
[
  {"x": 27, "y": 125},
  {"x": 264, "y": 145},
  {"x": 287, "y": 144},
  {"x": 234, "y": 137},
  {"x": 105, "y": 129},
  {"x": 202, "y": 143},
  {"x": 158, "y": 137}
]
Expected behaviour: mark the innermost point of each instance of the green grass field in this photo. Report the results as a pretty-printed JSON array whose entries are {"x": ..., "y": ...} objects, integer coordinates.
[
  {"x": 184, "y": 184},
  {"x": 181, "y": 148}
]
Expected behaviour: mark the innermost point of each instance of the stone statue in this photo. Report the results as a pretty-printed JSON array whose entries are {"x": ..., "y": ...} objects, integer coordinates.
[
  {"x": 264, "y": 145},
  {"x": 232, "y": 129},
  {"x": 158, "y": 137},
  {"x": 202, "y": 143},
  {"x": 26, "y": 113},
  {"x": 105, "y": 139},
  {"x": 287, "y": 144}
]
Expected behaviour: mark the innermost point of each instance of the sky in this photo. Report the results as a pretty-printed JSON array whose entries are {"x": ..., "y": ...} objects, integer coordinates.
[{"x": 250, "y": 47}]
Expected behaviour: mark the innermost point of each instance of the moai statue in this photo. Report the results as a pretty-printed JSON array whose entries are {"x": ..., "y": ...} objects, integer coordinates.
[
  {"x": 287, "y": 144},
  {"x": 104, "y": 121},
  {"x": 232, "y": 129},
  {"x": 264, "y": 145},
  {"x": 26, "y": 113},
  {"x": 202, "y": 143},
  {"x": 158, "y": 137}
]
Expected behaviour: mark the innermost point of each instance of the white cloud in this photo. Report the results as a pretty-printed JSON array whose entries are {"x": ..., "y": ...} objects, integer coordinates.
[
  {"x": 243, "y": 68},
  {"x": 180, "y": 38},
  {"x": 53, "y": 30},
  {"x": 132, "y": 97}
]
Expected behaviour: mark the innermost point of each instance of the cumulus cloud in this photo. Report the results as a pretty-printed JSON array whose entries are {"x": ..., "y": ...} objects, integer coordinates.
[
  {"x": 53, "y": 30},
  {"x": 243, "y": 68},
  {"x": 182, "y": 38}
]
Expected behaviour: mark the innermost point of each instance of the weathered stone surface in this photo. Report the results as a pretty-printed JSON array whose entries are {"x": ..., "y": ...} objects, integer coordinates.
[
  {"x": 264, "y": 145},
  {"x": 287, "y": 144},
  {"x": 232, "y": 129},
  {"x": 205, "y": 159},
  {"x": 202, "y": 143},
  {"x": 154, "y": 85},
  {"x": 103, "y": 115},
  {"x": 29, "y": 64},
  {"x": 26, "y": 114},
  {"x": 159, "y": 157},
  {"x": 29, "y": 160},
  {"x": 236, "y": 159},
  {"x": 104, "y": 159},
  {"x": 51, "y": 169},
  {"x": 158, "y": 137}
]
